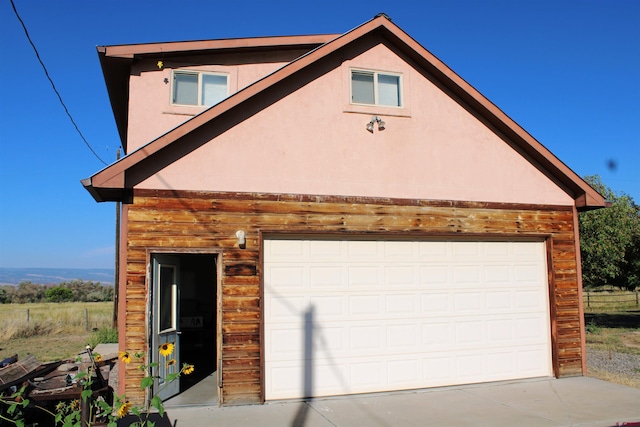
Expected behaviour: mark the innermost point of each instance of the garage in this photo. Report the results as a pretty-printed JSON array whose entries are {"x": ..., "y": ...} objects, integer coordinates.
[{"x": 356, "y": 315}]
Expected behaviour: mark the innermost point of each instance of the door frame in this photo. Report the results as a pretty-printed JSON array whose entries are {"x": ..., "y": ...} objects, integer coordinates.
[{"x": 149, "y": 314}]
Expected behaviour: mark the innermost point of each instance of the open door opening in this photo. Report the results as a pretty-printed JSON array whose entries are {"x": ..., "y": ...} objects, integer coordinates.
[{"x": 184, "y": 315}]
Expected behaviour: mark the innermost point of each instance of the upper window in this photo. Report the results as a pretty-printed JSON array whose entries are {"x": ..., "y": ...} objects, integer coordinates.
[
  {"x": 194, "y": 88},
  {"x": 374, "y": 88}
]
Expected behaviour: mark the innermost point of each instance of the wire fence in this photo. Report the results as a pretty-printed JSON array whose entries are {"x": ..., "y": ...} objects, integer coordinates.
[{"x": 611, "y": 301}]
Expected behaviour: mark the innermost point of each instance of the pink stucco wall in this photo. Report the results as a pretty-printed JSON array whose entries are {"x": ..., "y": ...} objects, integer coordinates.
[
  {"x": 314, "y": 142},
  {"x": 151, "y": 113}
]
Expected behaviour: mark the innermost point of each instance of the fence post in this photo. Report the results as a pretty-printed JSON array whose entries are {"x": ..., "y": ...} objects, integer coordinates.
[
  {"x": 637, "y": 299},
  {"x": 86, "y": 320},
  {"x": 588, "y": 299},
  {"x": 28, "y": 315}
]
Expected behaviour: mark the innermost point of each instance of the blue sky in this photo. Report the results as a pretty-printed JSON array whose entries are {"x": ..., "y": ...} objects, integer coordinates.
[{"x": 568, "y": 71}]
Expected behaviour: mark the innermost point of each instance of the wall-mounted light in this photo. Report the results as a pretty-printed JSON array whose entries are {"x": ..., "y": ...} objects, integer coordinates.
[
  {"x": 242, "y": 239},
  {"x": 374, "y": 120}
]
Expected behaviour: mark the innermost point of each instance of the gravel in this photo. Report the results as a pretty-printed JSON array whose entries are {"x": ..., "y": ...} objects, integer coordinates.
[{"x": 617, "y": 363}]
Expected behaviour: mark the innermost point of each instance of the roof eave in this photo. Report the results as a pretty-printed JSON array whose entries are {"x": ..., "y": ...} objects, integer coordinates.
[{"x": 199, "y": 47}]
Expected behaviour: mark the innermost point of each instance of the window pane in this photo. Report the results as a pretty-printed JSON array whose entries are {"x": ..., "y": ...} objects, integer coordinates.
[
  {"x": 362, "y": 88},
  {"x": 389, "y": 90},
  {"x": 185, "y": 88},
  {"x": 214, "y": 88},
  {"x": 166, "y": 302}
]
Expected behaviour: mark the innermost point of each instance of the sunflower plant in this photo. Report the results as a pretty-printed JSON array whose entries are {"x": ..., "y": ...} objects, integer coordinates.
[
  {"x": 124, "y": 407},
  {"x": 68, "y": 414}
]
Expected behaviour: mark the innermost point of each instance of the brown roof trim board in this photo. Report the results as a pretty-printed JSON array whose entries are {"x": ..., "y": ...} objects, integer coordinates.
[
  {"x": 205, "y": 46},
  {"x": 109, "y": 183}
]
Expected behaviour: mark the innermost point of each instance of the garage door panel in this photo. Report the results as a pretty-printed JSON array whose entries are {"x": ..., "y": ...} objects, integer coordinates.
[
  {"x": 499, "y": 301},
  {"x": 329, "y": 308},
  {"x": 400, "y": 277},
  {"x": 434, "y": 250},
  {"x": 433, "y": 304},
  {"x": 468, "y": 302},
  {"x": 284, "y": 308},
  {"x": 403, "y": 337},
  {"x": 465, "y": 276},
  {"x": 401, "y": 305},
  {"x": 434, "y": 276},
  {"x": 366, "y": 250},
  {"x": 326, "y": 249},
  {"x": 286, "y": 250},
  {"x": 326, "y": 277},
  {"x": 361, "y": 316},
  {"x": 368, "y": 277},
  {"x": 365, "y": 306},
  {"x": 436, "y": 336}
]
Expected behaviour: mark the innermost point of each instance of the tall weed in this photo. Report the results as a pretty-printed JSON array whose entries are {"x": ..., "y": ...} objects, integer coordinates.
[{"x": 38, "y": 319}]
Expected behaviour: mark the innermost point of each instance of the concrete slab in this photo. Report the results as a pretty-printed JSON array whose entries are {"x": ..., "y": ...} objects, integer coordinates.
[{"x": 580, "y": 401}]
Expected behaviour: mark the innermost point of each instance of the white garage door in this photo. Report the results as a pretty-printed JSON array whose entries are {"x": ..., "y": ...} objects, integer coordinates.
[{"x": 356, "y": 316}]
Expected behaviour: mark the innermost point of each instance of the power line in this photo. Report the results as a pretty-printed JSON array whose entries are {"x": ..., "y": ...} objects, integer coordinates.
[{"x": 53, "y": 85}]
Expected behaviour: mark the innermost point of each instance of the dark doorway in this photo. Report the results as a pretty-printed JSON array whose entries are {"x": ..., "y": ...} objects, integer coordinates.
[{"x": 198, "y": 316}]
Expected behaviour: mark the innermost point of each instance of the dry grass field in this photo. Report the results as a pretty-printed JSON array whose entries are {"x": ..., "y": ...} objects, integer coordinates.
[{"x": 50, "y": 331}]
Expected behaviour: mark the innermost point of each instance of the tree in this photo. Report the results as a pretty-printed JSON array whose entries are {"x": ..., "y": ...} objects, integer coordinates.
[
  {"x": 59, "y": 294},
  {"x": 609, "y": 240},
  {"x": 28, "y": 292}
]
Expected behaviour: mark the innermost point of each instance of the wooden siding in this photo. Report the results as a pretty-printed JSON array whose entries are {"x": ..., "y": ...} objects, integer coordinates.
[{"x": 185, "y": 221}]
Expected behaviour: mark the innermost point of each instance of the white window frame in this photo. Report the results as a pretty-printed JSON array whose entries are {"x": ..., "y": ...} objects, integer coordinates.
[
  {"x": 375, "y": 75},
  {"x": 199, "y": 74}
]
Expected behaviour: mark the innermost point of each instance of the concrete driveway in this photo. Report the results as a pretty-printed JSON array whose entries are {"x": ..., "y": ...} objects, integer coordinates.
[{"x": 579, "y": 401}]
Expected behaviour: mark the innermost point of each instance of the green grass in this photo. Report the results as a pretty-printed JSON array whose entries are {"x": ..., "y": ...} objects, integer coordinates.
[{"x": 53, "y": 331}]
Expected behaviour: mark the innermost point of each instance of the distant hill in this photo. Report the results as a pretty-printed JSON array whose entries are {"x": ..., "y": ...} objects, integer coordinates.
[{"x": 49, "y": 276}]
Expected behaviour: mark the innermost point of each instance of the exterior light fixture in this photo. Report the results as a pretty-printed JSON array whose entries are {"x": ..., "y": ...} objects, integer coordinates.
[
  {"x": 242, "y": 239},
  {"x": 374, "y": 120}
]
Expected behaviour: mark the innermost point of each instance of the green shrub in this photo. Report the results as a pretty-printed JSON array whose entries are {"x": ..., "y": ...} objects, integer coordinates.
[
  {"x": 104, "y": 335},
  {"x": 592, "y": 327}
]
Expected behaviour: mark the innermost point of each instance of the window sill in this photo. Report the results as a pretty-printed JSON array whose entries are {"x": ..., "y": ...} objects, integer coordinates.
[{"x": 184, "y": 110}]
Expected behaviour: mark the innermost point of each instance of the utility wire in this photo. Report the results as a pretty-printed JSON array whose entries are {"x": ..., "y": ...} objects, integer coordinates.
[{"x": 53, "y": 85}]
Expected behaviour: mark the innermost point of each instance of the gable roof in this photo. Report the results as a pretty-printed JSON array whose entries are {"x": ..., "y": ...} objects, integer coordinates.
[{"x": 114, "y": 184}]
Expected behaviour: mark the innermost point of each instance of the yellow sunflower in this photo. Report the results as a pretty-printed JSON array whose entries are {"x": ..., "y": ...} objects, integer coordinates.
[
  {"x": 188, "y": 369},
  {"x": 98, "y": 358},
  {"x": 124, "y": 409},
  {"x": 125, "y": 357},
  {"x": 171, "y": 362},
  {"x": 166, "y": 349}
]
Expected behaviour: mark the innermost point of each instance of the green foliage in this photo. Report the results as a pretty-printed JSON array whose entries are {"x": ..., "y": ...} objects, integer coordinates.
[
  {"x": 28, "y": 292},
  {"x": 609, "y": 241},
  {"x": 75, "y": 290},
  {"x": 592, "y": 327},
  {"x": 58, "y": 294},
  {"x": 104, "y": 335}
]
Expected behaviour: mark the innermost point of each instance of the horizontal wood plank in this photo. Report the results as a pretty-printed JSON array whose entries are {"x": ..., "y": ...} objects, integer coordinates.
[{"x": 184, "y": 221}]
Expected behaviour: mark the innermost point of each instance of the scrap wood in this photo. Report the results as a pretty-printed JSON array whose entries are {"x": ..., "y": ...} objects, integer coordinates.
[
  {"x": 29, "y": 368},
  {"x": 18, "y": 369}
]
